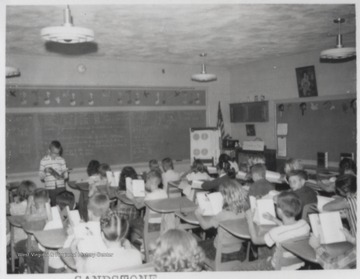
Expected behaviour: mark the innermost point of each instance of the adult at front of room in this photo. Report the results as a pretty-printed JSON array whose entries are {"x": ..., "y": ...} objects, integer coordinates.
[{"x": 53, "y": 171}]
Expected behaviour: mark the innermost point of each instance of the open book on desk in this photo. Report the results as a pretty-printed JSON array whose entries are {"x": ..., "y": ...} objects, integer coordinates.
[
  {"x": 327, "y": 227},
  {"x": 260, "y": 207},
  {"x": 210, "y": 204}
]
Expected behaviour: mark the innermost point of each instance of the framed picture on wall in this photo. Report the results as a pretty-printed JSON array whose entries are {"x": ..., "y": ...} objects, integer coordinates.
[
  {"x": 250, "y": 130},
  {"x": 306, "y": 81}
]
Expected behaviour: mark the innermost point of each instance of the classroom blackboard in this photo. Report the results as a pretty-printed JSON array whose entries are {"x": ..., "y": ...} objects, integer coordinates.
[
  {"x": 324, "y": 126},
  {"x": 117, "y": 137}
]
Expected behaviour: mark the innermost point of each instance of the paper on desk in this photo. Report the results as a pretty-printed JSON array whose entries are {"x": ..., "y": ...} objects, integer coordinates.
[
  {"x": 196, "y": 184},
  {"x": 281, "y": 146},
  {"x": 212, "y": 170}
]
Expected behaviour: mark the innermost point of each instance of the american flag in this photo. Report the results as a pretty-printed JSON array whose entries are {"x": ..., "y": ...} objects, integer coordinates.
[{"x": 220, "y": 122}]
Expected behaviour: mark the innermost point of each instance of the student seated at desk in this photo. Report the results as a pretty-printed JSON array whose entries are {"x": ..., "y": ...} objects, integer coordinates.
[
  {"x": 297, "y": 182},
  {"x": 197, "y": 172},
  {"x": 292, "y": 164},
  {"x": 154, "y": 166},
  {"x": 288, "y": 208},
  {"x": 346, "y": 260},
  {"x": 23, "y": 192},
  {"x": 261, "y": 186},
  {"x": 56, "y": 265},
  {"x": 234, "y": 207},
  {"x": 226, "y": 173},
  {"x": 346, "y": 188},
  {"x": 18, "y": 207},
  {"x": 36, "y": 207},
  {"x": 169, "y": 174},
  {"x": 95, "y": 178},
  {"x": 177, "y": 251},
  {"x": 115, "y": 248},
  {"x": 346, "y": 166},
  {"x": 153, "y": 192},
  {"x": 64, "y": 199},
  {"x": 126, "y": 211}
]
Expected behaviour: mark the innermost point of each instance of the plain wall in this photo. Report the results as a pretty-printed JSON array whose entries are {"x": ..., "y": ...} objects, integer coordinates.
[{"x": 276, "y": 80}]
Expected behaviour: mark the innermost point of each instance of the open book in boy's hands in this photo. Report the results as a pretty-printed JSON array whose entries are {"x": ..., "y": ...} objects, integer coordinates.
[
  {"x": 54, "y": 218},
  {"x": 327, "y": 226},
  {"x": 55, "y": 174},
  {"x": 262, "y": 207},
  {"x": 113, "y": 178},
  {"x": 73, "y": 216},
  {"x": 135, "y": 187},
  {"x": 210, "y": 204}
]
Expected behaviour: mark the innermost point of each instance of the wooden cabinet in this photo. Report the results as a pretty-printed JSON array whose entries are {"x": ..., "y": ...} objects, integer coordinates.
[{"x": 249, "y": 112}]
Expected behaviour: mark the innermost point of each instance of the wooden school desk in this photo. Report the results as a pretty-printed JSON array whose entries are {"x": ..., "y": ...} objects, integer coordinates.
[
  {"x": 240, "y": 228},
  {"x": 302, "y": 248},
  {"x": 50, "y": 240},
  {"x": 15, "y": 222},
  {"x": 181, "y": 204},
  {"x": 29, "y": 227},
  {"x": 67, "y": 256}
]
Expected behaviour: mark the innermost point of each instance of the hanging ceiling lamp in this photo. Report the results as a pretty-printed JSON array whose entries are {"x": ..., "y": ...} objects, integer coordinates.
[
  {"x": 339, "y": 52},
  {"x": 68, "y": 33},
  {"x": 12, "y": 72},
  {"x": 203, "y": 76}
]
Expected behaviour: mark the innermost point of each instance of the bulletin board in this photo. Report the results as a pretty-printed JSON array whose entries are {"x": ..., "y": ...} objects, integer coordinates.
[
  {"x": 319, "y": 126},
  {"x": 99, "y": 126}
]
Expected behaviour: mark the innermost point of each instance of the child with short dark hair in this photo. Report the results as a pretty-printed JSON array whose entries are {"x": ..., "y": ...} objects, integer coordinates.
[
  {"x": 288, "y": 209},
  {"x": 347, "y": 166},
  {"x": 261, "y": 186},
  {"x": 154, "y": 165},
  {"x": 177, "y": 251},
  {"x": 95, "y": 177},
  {"x": 226, "y": 172},
  {"x": 65, "y": 198},
  {"x": 129, "y": 212},
  {"x": 169, "y": 174},
  {"x": 346, "y": 188},
  {"x": 297, "y": 182}
]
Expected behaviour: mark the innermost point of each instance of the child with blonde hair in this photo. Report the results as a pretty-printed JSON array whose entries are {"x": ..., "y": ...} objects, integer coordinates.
[
  {"x": 235, "y": 203},
  {"x": 177, "y": 251},
  {"x": 115, "y": 244}
]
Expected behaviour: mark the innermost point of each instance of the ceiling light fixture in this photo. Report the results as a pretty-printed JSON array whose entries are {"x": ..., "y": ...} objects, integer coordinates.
[
  {"x": 68, "y": 33},
  {"x": 340, "y": 52},
  {"x": 12, "y": 72},
  {"x": 203, "y": 76}
]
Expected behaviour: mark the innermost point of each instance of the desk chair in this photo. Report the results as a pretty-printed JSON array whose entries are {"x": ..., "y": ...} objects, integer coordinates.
[
  {"x": 173, "y": 192},
  {"x": 216, "y": 264},
  {"x": 150, "y": 236}
]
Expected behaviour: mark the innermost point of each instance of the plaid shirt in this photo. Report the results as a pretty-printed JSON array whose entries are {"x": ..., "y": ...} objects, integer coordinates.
[{"x": 347, "y": 260}]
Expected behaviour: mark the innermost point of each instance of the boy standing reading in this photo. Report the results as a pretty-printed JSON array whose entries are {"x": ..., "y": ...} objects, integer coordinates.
[{"x": 288, "y": 208}]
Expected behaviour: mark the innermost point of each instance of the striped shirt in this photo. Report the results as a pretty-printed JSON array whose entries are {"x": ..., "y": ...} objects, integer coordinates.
[
  {"x": 59, "y": 165},
  {"x": 283, "y": 259},
  {"x": 351, "y": 213}
]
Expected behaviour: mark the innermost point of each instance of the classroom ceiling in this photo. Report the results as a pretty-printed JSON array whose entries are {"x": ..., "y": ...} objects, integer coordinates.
[{"x": 231, "y": 34}]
